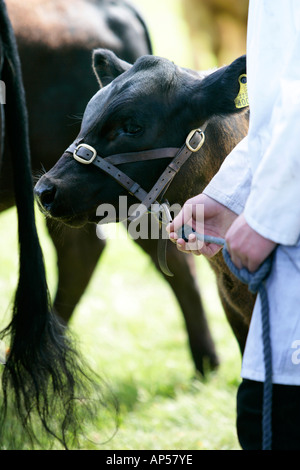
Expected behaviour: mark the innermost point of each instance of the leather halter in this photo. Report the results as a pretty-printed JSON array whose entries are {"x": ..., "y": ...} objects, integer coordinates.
[{"x": 87, "y": 155}]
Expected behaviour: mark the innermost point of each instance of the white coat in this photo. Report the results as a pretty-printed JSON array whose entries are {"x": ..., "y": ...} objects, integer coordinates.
[{"x": 261, "y": 178}]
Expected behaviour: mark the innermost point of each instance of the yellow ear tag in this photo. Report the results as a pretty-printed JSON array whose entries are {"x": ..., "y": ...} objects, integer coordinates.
[{"x": 242, "y": 100}]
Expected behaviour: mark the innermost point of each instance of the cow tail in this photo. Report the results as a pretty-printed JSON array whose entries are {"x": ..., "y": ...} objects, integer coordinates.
[{"x": 43, "y": 375}]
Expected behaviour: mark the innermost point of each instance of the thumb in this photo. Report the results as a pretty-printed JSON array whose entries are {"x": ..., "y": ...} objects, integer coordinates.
[{"x": 184, "y": 216}]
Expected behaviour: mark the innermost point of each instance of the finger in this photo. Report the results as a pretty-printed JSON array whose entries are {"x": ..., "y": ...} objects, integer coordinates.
[
  {"x": 193, "y": 245},
  {"x": 182, "y": 218},
  {"x": 173, "y": 237},
  {"x": 253, "y": 265},
  {"x": 181, "y": 246},
  {"x": 210, "y": 249},
  {"x": 234, "y": 256},
  {"x": 237, "y": 261},
  {"x": 196, "y": 252}
]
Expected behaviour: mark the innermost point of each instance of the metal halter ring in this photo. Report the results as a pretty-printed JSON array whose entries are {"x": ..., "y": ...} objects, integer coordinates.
[
  {"x": 189, "y": 138},
  {"x": 82, "y": 159}
]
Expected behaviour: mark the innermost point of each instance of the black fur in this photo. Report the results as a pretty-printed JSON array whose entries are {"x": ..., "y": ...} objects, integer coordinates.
[{"x": 219, "y": 89}]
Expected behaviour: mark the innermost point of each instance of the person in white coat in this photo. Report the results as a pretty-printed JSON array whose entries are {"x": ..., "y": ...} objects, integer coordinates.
[{"x": 254, "y": 203}]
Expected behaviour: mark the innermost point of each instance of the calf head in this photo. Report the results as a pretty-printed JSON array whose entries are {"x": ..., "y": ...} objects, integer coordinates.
[{"x": 151, "y": 104}]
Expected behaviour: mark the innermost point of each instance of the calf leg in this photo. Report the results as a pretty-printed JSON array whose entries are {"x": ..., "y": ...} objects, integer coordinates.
[
  {"x": 185, "y": 287},
  {"x": 239, "y": 323},
  {"x": 78, "y": 251}
]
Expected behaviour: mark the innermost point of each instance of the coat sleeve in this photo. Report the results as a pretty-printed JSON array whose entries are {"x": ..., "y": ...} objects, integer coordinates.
[
  {"x": 231, "y": 185},
  {"x": 273, "y": 206}
]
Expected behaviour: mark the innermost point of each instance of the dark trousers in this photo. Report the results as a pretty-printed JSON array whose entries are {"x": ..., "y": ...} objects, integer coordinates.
[{"x": 285, "y": 416}]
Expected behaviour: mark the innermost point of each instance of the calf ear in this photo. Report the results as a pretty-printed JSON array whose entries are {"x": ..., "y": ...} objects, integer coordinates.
[
  {"x": 107, "y": 66},
  {"x": 225, "y": 90}
]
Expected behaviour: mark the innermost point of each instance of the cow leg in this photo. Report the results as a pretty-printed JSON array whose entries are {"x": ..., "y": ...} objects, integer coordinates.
[
  {"x": 185, "y": 287},
  {"x": 78, "y": 251},
  {"x": 236, "y": 321}
]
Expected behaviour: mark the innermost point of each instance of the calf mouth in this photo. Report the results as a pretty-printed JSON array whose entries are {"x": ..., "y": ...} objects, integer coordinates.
[{"x": 75, "y": 220}]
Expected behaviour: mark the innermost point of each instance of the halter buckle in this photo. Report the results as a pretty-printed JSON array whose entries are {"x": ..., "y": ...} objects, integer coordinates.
[
  {"x": 89, "y": 151},
  {"x": 189, "y": 138}
]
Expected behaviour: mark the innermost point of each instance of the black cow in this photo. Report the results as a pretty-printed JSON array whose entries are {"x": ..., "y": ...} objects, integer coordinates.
[
  {"x": 56, "y": 57},
  {"x": 152, "y": 104}
]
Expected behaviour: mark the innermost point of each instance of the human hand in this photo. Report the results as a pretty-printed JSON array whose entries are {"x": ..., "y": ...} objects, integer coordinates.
[
  {"x": 215, "y": 220},
  {"x": 246, "y": 247}
]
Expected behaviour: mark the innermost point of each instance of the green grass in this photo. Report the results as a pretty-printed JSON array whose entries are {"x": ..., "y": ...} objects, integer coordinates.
[
  {"x": 143, "y": 352},
  {"x": 131, "y": 330}
]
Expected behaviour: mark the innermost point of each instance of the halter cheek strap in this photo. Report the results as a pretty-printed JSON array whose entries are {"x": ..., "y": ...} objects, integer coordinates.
[{"x": 87, "y": 155}]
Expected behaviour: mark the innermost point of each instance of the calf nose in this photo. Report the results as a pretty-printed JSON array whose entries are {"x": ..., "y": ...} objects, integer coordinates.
[{"x": 45, "y": 193}]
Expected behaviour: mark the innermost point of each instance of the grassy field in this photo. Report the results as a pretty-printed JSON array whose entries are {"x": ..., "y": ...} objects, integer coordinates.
[{"x": 131, "y": 330}]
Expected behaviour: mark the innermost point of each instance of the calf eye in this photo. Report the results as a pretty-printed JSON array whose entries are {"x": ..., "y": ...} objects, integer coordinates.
[{"x": 132, "y": 129}]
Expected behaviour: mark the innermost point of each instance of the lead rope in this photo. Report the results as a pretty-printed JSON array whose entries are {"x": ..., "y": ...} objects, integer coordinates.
[{"x": 256, "y": 284}]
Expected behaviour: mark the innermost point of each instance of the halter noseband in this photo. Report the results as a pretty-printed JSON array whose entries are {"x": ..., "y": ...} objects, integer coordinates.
[{"x": 87, "y": 155}]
